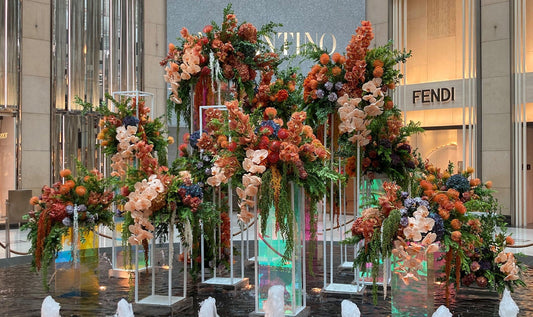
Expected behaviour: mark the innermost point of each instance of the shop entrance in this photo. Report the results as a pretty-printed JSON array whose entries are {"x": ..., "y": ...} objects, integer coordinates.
[
  {"x": 7, "y": 158},
  {"x": 529, "y": 177}
]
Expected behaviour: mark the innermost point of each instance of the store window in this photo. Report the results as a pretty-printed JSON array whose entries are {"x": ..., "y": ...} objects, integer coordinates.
[
  {"x": 9, "y": 97},
  {"x": 97, "y": 49},
  {"x": 439, "y": 86},
  {"x": 9, "y": 55}
]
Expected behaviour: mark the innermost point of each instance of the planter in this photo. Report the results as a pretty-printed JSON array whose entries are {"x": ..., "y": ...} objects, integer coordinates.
[
  {"x": 124, "y": 255},
  {"x": 271, "y": 269},
  {"x": 76, "y": 266},
  {"x": 416, "y": 297}
]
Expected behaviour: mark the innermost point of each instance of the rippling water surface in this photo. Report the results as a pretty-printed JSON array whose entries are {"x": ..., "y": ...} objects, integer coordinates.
[{"x": 21, "y": 294}]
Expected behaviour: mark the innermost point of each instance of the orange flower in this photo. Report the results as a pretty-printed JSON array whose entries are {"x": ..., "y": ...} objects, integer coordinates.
[
  {"x": 65, "y": 173},
  {"x": 456, "y": 224},
  {"x": 336, "y": 57},
  {"x": 459, "y": 207},
  {"x": 70, "y": 183},
  {"x": 324, "y": 59},
  {"x": 270, "y": 113},
  {"x": 221, "y": 139},
  {"x": 336, "y": 71},
  {"x": 315, "y": 69},
  {"x": 64, "y": 189},
  {"x": 470, "y": 170},
  {"x": 456, "y": 236},
  {"x": 389, "y": 105},
  {"x": 509, "y": 240},
  {"x": 34, "y": 200},
  {"x": 488, "y": 184},
  {"x": 81, "y": 190},
  {"x": 342, "y": 60},
  {"x": 441, "y": 199},
  {"x": 313, "y": 84},
  {"x": 444, "y": 214},
  {"x": 378, "y": 63},
  {"x": 351, "y": 166},
  {"x": 378, "y": 72},
  {"x": 475, "y": 182},
  {"x": 453, "y": 194},
  {"x": 426, "y": 185}
]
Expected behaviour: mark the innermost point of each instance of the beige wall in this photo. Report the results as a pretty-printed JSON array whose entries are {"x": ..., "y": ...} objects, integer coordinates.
[
  {"x": 155, "y": 49},
  {"x": 377, "y": 12},
  {"x": 35, "y": 91},
  {"x": 496, "y": 144}
]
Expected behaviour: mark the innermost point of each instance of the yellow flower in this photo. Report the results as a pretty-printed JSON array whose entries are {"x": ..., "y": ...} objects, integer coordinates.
[{"x": 170, "y": 140}]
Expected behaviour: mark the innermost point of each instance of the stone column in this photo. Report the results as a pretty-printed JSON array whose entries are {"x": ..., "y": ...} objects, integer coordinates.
[
  {"x": 377, "y": 12},
  {"x": 35, "y": 92},
  {"x": 496, "y": 145},
  {"x": 155, "y": 49}
]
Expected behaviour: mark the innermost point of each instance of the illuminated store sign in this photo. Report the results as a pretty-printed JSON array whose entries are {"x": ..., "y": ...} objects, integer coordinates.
[
  {"x": 433, "y": 95},
  {"x": 296, "y": 39},
  {"x": 426, "y": 96},
  {"x": 3, "y": 135}
]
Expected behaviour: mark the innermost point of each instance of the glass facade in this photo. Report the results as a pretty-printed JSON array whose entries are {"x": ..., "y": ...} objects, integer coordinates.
[
  {"x": 10, "y": 25},
  {"x": 9, "y": 55},
  {"x": 96, "y": 49}
]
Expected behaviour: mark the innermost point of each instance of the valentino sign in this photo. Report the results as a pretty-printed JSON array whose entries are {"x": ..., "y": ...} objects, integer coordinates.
[{"x": 433, "y": 95}]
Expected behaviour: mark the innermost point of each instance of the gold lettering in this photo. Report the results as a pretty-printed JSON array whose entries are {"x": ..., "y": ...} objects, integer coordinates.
[
  {"x": 297, "y": 43},
  {"x": 308, "y": 38},
  {"x": 268, "y": 40},
  {"x": 334, "y": 43},
  {"x": 297, "y": 37},
  {"x": 285, "y": 41}
]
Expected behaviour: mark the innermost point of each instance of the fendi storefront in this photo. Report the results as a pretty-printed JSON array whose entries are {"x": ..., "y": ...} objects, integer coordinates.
[
  {"x": 439, "y": 85},
  {"x": 470, "y": 83}
]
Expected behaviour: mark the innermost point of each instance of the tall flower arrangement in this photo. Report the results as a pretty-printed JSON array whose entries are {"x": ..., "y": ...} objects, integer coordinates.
[
  {"x": 368, "y": 116},
  {"x": 323, "y": 85},
  {"x": 270, "y": 153},
  {"x": 405, "y": 226},
  {"x": 226, "y": 52},
  {"x": 469, "y": 238},
  {"x": 54, "y": 211}
]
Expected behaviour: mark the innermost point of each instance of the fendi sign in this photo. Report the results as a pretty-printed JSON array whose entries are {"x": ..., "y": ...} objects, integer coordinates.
[{"x": 433, "y": 95}]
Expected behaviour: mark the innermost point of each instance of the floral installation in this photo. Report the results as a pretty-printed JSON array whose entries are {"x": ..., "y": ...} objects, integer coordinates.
[
  {"x": 53, "y": 214},
  {"x": 418, "y": 239},
  {"x": 488, "y": 265},
  {"x": 407, "y": 227},
  {"x": 468, "y": 237},
  {"x": 323, "y": 85},
  {"x": 127, "y": 130},
  {"x": 226, "y": 52},
  {"x": 368, "y": 116},
  {"x": 283, "y": 94},
  {"x": 270, "y": 153},
  {"x": 355, "y": 59}
]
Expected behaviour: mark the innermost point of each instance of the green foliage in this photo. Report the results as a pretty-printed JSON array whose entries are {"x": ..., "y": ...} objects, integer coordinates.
[
  {"x": 391, "y": 225},
  {"x": 390, "y": 57}
]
